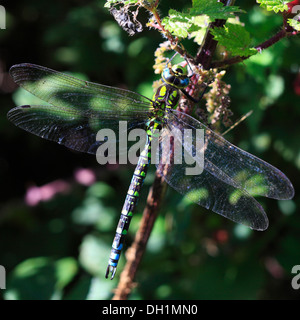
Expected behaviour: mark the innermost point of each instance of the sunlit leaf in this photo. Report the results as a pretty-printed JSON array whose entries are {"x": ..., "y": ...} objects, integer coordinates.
[
  {"x": 294, "y": 23},
  {"x": 235, "y": 39},
  {"x": 274, "y": 5}
]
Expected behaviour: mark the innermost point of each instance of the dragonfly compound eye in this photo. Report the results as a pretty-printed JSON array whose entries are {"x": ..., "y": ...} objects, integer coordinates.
[{"x": 179, "y": 71}]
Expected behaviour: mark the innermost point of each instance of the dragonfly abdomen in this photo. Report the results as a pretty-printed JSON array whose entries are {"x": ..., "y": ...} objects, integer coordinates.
[{"x": 131, "y": 201}]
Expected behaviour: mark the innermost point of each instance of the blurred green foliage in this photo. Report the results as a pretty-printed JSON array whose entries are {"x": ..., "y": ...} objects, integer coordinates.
[{"x": 59, "y": 248}]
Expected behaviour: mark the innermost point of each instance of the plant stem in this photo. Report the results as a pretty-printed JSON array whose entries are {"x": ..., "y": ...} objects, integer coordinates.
[
  {"x": 208, "y": 47},
  {"x": 163, "y": 30}
]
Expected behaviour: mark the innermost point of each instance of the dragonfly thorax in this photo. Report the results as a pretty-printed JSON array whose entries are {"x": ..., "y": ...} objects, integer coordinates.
[{"x": 166, "y": 97}]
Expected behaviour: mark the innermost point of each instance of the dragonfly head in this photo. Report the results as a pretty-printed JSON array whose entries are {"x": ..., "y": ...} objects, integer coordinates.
[{"x": 176, "y": 76}]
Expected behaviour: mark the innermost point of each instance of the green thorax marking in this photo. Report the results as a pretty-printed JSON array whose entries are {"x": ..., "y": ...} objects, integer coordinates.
[
  {"x": 153, "y": 126},
  {"x": 166, "y": 97}
]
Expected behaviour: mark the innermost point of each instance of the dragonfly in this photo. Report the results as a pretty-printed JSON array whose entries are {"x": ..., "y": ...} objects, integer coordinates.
[{"x": 76, "y": 110}]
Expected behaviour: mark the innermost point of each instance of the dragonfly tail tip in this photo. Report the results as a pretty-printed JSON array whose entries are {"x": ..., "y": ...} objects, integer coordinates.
[{"x": 112, "y": 270}]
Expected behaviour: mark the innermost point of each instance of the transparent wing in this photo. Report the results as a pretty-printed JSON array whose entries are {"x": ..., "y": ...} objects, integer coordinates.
[
  {"x": 74, "y": 129},
  {"x": 207, "y": 190},
  {"x": 230, "y": 164},
  {"x": 62, "y": 90},
  {"x": 78, "y": 109}
]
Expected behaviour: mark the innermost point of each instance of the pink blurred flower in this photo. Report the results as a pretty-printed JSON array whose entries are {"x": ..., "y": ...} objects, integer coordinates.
[
  {"x": 85, "y": 176},
  {"x": 35, "y": 194}
]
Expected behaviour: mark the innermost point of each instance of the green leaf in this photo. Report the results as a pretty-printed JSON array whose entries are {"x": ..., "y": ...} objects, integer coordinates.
[
  {"x": 181, "y": 24},
  {"x": 66, "y": 268},
  {"x": 274, "y": 5},
  {"x": 294, "y": 24},
  {"x": 198, "y": 29},
  {"x": 93, "y": 254},
  {"x": 40, "y": 278},
  {"x": 177, "y": 23},
  {"x": 213, "y": 9},
  {"x": 235, "y": 39}
]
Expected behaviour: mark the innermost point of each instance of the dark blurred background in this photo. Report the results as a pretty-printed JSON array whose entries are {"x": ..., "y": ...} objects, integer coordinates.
[{"x": 59, "y": 208}]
